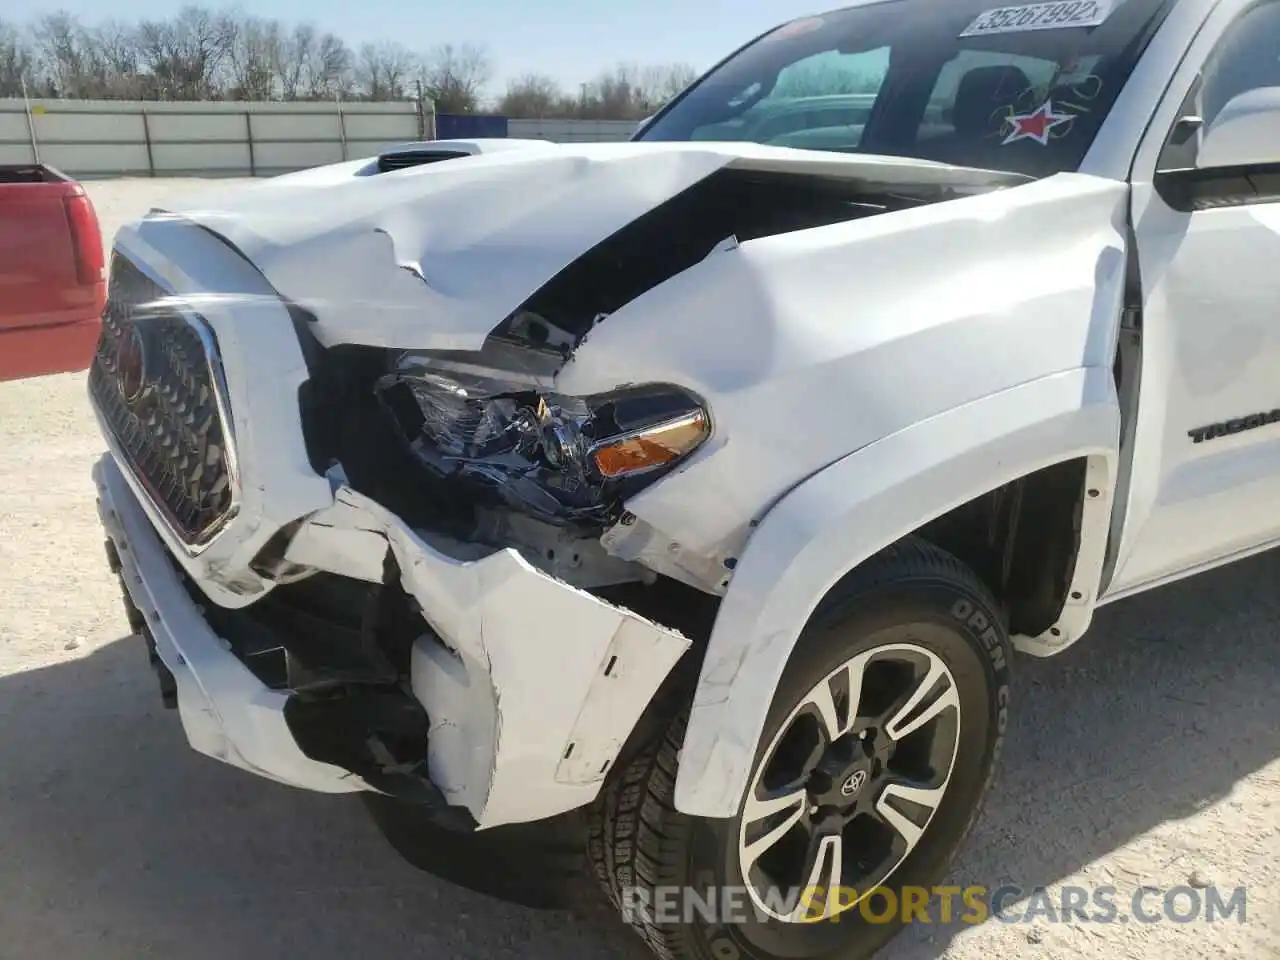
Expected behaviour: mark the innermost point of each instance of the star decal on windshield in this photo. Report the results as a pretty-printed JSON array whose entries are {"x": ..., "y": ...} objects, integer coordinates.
[{"x": 1035, "y": 125}]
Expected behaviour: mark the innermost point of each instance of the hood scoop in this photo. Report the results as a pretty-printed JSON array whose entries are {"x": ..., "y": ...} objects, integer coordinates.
[
  {"x": 406, "y": 155},
  {"x": 403, "y": 159}
]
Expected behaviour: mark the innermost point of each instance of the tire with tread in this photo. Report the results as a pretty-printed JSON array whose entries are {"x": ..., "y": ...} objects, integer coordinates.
[{"x": 638, "y": 842}]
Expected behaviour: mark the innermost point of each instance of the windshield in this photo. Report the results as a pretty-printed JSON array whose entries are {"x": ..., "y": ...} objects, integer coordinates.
[{"x": 1020, "y": 88}]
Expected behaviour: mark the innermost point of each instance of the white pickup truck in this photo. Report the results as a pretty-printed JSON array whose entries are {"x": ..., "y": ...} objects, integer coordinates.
[{"x": 695, "y": 492}]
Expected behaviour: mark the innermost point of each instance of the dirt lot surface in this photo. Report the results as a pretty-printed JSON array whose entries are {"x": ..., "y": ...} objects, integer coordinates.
[{"x": 1149, "y": 754}]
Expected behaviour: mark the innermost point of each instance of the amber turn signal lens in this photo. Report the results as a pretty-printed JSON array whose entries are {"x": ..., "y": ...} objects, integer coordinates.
[{"x": 652, "y": 447}]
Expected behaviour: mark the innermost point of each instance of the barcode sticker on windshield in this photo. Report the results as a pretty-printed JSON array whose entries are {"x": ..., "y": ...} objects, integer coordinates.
[{"x": 1041, "y": 16}]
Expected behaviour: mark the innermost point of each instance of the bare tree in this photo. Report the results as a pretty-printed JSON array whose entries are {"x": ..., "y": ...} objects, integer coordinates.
[
  {"x": 204, "y": 53},
  {"x": 658, "y": 84},
  {"x": 62, "y": 44},
  {"x": 330, "y": 69},
  {"x": 532, "y": 96},
  {"x": 294, "y": 59},
  {"x": 612, "y": 95},
  {"x": 99, "y": 62},
  {"x": 454, "y": 77},
  {"x": 255, "y": 59},
  {"x": 385, "y": 69},
  {"x": 820, "y": 79},
  {"x": 17, "y": 60},
  {"x": 630, "y": 91},
  {"x": 184, "y": 56},
  {"x": 115, "y": 60}
]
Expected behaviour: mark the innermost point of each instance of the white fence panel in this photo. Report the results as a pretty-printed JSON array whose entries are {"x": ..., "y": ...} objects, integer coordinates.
[
  {"x": 88, "y": 138},
  {"x": 278, "y": 157},
  {"x": 169, "y": 128},
  {"x": 377, "y": 128},
  {"x": 104, "y": 160},
  {"x": 572, "y": 131},
  {"x": 215, "y": 159},
  {"x": 99, "y": 138}
]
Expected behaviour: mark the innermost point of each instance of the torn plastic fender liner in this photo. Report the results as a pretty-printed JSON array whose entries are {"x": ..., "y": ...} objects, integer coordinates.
[{"x": 531, "y": 686}]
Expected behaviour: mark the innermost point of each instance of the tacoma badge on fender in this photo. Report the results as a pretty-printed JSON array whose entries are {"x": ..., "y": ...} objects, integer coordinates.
[{"x": 1228, "y": 427}]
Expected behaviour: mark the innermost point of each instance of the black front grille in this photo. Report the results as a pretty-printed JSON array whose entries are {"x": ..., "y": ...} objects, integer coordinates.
[{"x": 152, "y": 379}]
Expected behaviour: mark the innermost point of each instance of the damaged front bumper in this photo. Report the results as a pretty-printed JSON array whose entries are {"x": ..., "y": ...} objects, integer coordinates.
[
  {"x": 227, "y": 712},
  {"x": 530, "y": 687}
]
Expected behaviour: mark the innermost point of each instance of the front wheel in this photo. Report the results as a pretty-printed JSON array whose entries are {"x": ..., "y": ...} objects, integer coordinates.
[{"x": 877, "y": 752}]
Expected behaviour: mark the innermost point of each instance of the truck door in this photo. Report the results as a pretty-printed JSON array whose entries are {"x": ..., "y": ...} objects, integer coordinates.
[{"x": 1204, "y": 482}]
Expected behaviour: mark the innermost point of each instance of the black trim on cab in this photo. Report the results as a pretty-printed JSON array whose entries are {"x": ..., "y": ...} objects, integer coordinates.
[{"x": 1214, "y": 188}]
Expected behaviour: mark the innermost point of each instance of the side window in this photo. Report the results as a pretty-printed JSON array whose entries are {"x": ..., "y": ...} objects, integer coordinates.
[{"x": 1247, "y": 58}]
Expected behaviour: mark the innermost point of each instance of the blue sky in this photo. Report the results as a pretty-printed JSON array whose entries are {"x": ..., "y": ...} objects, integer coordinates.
[{"x": 569, "y": 39}]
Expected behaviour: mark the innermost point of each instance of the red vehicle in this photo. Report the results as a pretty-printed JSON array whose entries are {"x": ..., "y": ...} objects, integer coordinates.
[{"x": 52, "y": 273}]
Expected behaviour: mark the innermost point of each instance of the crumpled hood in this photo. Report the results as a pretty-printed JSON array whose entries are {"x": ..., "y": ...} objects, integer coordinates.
[{"x": 435, "y": 257}]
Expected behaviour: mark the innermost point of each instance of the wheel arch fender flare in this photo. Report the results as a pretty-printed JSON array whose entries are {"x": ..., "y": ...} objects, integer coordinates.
[{"x": 849, "y": 511}]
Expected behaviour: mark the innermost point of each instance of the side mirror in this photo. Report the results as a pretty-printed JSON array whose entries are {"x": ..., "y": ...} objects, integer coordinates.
[
  {"x": 642, "y": 124},
  {"x": 1245, "y": 133}
]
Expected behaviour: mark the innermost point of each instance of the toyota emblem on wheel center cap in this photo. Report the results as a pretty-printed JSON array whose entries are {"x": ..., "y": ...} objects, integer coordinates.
[{"x": 856, "y": 781}]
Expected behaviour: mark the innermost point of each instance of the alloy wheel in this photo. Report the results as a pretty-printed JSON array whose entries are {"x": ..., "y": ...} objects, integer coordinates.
[{"x": 849, "y": 784}]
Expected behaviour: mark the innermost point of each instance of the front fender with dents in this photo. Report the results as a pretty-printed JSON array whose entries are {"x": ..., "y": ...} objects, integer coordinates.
[{"x": 849, "y": 511}]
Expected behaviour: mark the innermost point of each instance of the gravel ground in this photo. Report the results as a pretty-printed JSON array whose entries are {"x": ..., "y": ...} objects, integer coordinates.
[{"x": 1149, "y": 754}]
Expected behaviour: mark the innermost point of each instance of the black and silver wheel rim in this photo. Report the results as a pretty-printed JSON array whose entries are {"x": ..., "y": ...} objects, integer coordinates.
[{"x": 850, "y": 783}]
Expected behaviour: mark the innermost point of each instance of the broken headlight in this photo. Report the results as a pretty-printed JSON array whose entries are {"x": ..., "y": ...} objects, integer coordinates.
[{"x": 562, "y": 459}]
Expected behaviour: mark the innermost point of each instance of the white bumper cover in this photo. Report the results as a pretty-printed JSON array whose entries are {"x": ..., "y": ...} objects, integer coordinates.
[
  {"x": 226, "y": 711},
  {"x": 531, "y": 686}
]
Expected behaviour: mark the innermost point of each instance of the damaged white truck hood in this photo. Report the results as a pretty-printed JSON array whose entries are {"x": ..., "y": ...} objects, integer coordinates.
[{"x": 435, "y": 257}]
